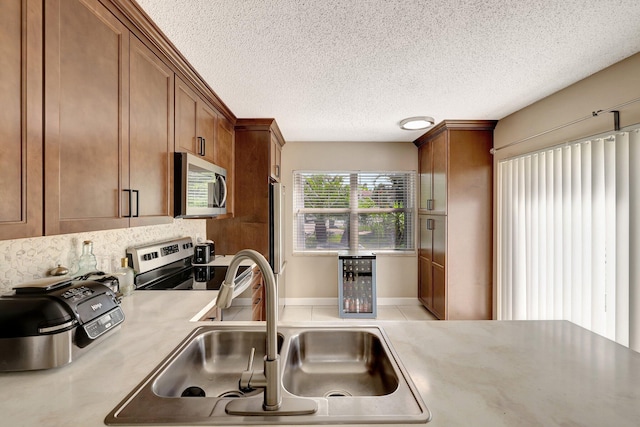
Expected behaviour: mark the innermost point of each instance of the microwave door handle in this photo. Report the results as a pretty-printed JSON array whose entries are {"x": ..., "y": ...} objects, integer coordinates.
[{"x": 224, "y": 186}]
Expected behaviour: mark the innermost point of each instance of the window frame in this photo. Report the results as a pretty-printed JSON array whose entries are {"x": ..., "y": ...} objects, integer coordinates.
[{"x": 353, "y": 212}]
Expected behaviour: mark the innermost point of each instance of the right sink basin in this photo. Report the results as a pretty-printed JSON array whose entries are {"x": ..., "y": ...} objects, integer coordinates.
[{"x": 338, "y": 363}]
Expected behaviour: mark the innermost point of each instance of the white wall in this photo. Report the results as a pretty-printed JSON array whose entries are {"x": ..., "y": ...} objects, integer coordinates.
[{"x": 316, "y": 276}]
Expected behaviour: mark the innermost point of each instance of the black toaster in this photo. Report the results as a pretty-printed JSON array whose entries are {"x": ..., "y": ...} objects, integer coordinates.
[{"x": 203, "y": 253}]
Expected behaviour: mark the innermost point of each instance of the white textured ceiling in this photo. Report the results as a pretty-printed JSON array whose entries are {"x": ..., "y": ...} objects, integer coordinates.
[{"x": 350, "y": 70}]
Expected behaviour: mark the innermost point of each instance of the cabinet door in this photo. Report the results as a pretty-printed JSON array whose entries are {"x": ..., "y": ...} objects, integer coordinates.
[
  {"x": 439, "y": 292},
  {"x": 186, "y": 118},
  {"x": 275, "y": 159},
  {"x": 151, "y": 135},
  {"x": 425, "y": 260},
  {"x": 438, "y": 272},
  {"x": 206, "y": 130},
  {"x": 439, "y": 239},
  {"x": 86, "y": 117},
  {"x": 20, "y": 142},
  {"x": 439, "y": 173},
  {"x": 224, "y": 156},
  {"x": 425, "y": 166},
  {"x": 425, "y": 286}
]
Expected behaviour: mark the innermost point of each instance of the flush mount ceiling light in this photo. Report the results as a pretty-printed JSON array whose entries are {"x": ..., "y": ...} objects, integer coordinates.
[{"x": 417, "y": 123}]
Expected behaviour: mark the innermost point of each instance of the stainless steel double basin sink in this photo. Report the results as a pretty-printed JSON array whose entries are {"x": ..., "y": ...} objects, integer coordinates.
[{"x": 352, "y": 373}]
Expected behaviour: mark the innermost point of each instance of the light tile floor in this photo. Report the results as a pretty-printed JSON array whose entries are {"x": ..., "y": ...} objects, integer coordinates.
[{"x": 306, "y": 313}]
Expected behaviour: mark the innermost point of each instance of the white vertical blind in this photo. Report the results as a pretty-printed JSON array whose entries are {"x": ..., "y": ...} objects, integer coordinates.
[{"x": 569, "y": 238}]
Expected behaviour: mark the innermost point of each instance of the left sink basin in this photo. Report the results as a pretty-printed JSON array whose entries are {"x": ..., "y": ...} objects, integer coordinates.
[{"x": 210, "y": 364}]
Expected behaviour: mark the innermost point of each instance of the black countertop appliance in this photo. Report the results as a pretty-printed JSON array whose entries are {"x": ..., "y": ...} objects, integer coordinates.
[{"x": 49, "y": 322}]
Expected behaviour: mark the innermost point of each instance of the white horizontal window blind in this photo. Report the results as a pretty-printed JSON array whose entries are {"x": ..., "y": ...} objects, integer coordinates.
[
  {"x": 568, "y": 235},
  {"x": 354, "y": 210}
]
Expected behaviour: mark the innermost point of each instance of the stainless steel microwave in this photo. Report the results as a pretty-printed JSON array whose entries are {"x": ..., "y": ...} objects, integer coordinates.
[{"x": 200, "y": 189}]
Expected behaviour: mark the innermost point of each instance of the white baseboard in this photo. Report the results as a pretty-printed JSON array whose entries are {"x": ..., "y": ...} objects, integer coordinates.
[
  {"x": 334, "y": 301},
  {"x": 399, "y": 301},
  {"x": 311, "y": 301}
]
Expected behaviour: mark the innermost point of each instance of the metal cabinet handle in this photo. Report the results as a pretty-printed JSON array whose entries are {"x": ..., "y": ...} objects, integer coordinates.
[
  {"x": 130, "y": 201},
  {"x": 430, "y": 203},
  {"x": 431, "y": 224},
  {"x": 131, "y": 214},
  {"x": 204, "y": 147},
  {"x": 137, "y": 214},
  {"x": 277, "y": 171}
]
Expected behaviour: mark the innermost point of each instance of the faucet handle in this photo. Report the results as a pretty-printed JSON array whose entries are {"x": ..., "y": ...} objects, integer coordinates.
[
  {"x": 251, "y": 356},
  {"x": 245, "y": 378}
]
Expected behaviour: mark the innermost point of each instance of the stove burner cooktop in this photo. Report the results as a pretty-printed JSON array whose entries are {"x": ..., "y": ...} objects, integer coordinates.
[{"x": 168, "y": 266}]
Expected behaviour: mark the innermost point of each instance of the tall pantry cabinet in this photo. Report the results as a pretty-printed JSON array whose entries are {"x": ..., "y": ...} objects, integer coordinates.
[
  {"x": 455, "y": 256},
  {"x": 258, "y": 147}
]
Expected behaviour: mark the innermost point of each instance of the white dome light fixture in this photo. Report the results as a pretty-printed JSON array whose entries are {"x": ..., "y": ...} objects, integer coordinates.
[{"x": 417, "y": 123}]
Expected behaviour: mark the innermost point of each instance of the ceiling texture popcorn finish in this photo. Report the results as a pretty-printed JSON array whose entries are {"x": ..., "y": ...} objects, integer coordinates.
[{"x": 350, "y": 70}]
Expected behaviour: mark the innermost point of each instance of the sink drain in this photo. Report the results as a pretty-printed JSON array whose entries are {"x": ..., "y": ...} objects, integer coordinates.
[
  {"x": 193, "y": 391},
  {"x": 337, "y": 393}
]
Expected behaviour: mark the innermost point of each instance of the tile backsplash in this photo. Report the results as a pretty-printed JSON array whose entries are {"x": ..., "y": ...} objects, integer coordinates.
[{"x": 22, "y": 260}]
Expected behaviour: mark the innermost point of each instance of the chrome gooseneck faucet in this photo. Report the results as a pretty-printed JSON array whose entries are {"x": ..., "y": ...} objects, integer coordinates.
[{"x": 269, "y": 379}]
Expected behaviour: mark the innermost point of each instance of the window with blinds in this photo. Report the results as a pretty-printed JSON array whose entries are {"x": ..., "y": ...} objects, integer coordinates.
[
  {"x": 568, "y": 235},
  {"x": 336, "y": 211}
]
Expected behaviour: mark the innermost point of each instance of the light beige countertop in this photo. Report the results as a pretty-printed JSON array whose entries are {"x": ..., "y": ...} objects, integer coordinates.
[{"x": 473, "y": 373}]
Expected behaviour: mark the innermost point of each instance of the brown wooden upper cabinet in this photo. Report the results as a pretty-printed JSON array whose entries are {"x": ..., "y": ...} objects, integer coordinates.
[
  {"x": 201, "y": 130},
  {"x": 89, "y": 122},
  {"x": 455, "y": 256},
  {"x": 151, "y": 135},
  {"x": 195, "y": 123},
  {"x": 20, "y": 140},
  {"x": 108, "y": 113}
]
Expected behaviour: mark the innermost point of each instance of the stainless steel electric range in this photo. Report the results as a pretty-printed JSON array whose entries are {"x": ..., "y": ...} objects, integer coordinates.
[{"x": 168, "y": 265}]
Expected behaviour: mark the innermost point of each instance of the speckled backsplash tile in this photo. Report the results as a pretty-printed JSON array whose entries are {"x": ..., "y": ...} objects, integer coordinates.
[{"x": 22, "y": 260}]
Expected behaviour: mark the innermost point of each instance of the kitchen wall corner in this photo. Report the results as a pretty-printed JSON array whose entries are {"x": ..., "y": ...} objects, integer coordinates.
[{"x": 22, "y": 260}]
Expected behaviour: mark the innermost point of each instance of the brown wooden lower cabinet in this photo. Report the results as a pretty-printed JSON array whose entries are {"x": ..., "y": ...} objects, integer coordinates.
[{"x": 439, "y": 291}]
